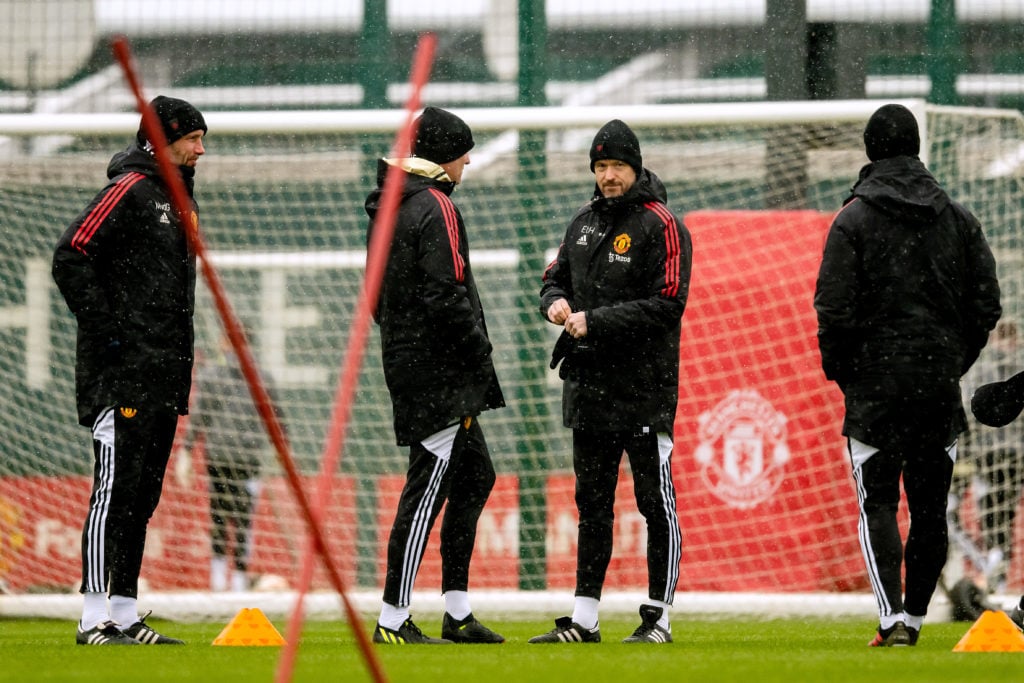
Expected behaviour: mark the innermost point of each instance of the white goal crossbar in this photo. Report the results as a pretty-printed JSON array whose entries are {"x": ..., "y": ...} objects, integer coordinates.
[{"x": 501, "y": 118}]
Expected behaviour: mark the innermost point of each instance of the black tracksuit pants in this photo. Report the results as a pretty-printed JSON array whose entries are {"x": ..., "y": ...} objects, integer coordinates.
[
  {"x": 926, "y": 473},
  {"x": 596, "y": 458},
  {"x": 464, "y": 478},
  {"x": 131, "y": 449}
]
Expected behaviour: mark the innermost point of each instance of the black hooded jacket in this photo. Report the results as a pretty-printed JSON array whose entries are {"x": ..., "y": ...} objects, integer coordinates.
[
  {"x": 434, "y": 344},
  {"x": 906, "y": 295},
  {"x": 126, "y": 272},
  {"x": 626, "y": 262}
]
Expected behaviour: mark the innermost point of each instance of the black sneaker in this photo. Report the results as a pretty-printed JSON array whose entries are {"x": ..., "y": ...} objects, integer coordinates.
[
  {"x": 407, "y": 634},
  {"x": 142, "y": 633},
  {"x": 568, "y": 631},
  {"x": 649, "y": 631},
  {"x": 103, "y": 633},
  {"x": 898, "y": 635},
  {"x": 468, "y": 630}
]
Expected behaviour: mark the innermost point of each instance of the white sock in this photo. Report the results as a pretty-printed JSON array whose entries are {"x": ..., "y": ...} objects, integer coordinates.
[
  {"x": 664, "y": 621},
  {"x": 239, "y": 581},
  {"x": 584, "y": 612},
  {"x": 124, "y": 610},
  {"x": 94, "y": 610},
  {"x": 218, "y": 573},
  {"x": 456, "y": 603},
  {"x": 887, "y": 622},
  {"x": 392, "y": 617},
  {"x": 913, "y": 622}
]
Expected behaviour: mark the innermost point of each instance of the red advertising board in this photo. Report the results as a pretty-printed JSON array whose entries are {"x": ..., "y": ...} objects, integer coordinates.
[
  {"x": 496, "y": 554},
  {"x": 41, "y": 524},
  {"x": 764, "y": 491}
]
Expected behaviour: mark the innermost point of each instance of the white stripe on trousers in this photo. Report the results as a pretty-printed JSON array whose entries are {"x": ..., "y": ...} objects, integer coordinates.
[
  {"x": 675, "y": 541},
  {"x": 94, "y": 561},
  {"x": 859, "y": 453},
  {"x": 419, "y": 532}
]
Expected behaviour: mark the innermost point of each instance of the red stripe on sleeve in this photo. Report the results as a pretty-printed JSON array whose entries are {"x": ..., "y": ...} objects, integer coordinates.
[
  {"x": 547, "y": 269},
  {"x": 451, "y": 224},
  {"x": 92, "y": 222},
  {"x": 672, "y": 249}
]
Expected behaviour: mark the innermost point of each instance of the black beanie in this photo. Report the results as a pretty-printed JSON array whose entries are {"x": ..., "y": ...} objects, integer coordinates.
[
  {"x": 892, "y": 132},
  {"x": 178, "y": 118},
  {"x": 616, "y": 140},
  {"x": 441, "y": 136}
]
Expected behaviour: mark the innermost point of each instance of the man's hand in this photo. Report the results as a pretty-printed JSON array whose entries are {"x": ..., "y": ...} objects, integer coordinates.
[
  {"x": 576, "y": 324},
  {"x": 559, "y": 311}
]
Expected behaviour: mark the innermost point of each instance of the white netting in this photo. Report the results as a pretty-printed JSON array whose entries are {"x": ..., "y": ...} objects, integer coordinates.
[{"x": 764, "y": 493}]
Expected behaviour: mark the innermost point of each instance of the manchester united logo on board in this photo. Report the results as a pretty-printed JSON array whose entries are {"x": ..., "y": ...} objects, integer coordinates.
[
  {"x": 743, "y": 450},
  {"x": 622, "y": 244}
]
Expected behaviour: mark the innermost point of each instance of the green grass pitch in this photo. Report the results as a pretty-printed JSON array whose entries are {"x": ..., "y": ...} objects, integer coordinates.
[{"x": 725, "y": 649}]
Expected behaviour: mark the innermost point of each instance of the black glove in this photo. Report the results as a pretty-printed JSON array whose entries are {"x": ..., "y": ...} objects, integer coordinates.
[{"x": 564, "y": 348}]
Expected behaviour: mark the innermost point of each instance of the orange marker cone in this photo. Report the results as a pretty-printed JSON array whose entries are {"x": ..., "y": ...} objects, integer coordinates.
[
  {"x": 992, "y": 632},
  {"x": 249, "y": 627}
]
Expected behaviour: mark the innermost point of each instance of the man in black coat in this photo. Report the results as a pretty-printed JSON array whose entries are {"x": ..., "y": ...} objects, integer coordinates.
[
  {"x": 618, "y": 288},
  {"x": 126, "y": 272},
  {"x": 906, "y": 296},
  {"x": 438, "y": 368}
]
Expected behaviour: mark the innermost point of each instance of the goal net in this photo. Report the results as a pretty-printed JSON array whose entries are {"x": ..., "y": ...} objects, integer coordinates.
[{"x": 764, "y": 493}]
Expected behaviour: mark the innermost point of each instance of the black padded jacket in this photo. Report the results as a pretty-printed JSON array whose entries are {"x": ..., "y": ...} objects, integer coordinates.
[
  {"x": 434, "y": 344},
  {"x": 626, "y": 262},
  {"x": 126, "y": 272},
  {"x": 906, "y": 295}
]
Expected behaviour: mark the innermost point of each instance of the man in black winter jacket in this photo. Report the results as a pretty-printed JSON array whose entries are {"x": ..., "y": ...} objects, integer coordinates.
[
  {"x": 618, "y": 288},
  {"x": 906, "y": 296},
  {"x": 126, "y": 272},
  {"x": 438, "y": 368}
]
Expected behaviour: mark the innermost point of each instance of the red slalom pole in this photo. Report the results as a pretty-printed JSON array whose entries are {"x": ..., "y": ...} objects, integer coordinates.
[
  {"x": 183, "y": 206},
  {"x": 376, "y": 261}
]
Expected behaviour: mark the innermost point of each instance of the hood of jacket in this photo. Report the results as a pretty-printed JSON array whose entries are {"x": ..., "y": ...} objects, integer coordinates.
[
  {"x": 138, "y": 159},
  {"x": 421, "y": 174},
  {"x": 901, "y": 187},
  {"x": 648, "y": 187}
]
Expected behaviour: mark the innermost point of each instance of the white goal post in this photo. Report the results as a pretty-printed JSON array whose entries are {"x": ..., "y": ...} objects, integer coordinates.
[{"x": 281, "y": 196}]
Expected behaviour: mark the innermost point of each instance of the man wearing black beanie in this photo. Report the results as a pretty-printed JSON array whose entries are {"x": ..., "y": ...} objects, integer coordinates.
[
  {"x": 906, "y": 296},
  {"x": 892, "y": 132},
  {"x": 177, "y": 118},
  {"x": 437, "y": 364},
  {"x": 441, "y": 136},
  {"x": 617, "y": 289},
  {"x": 126, "y": 271}
]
